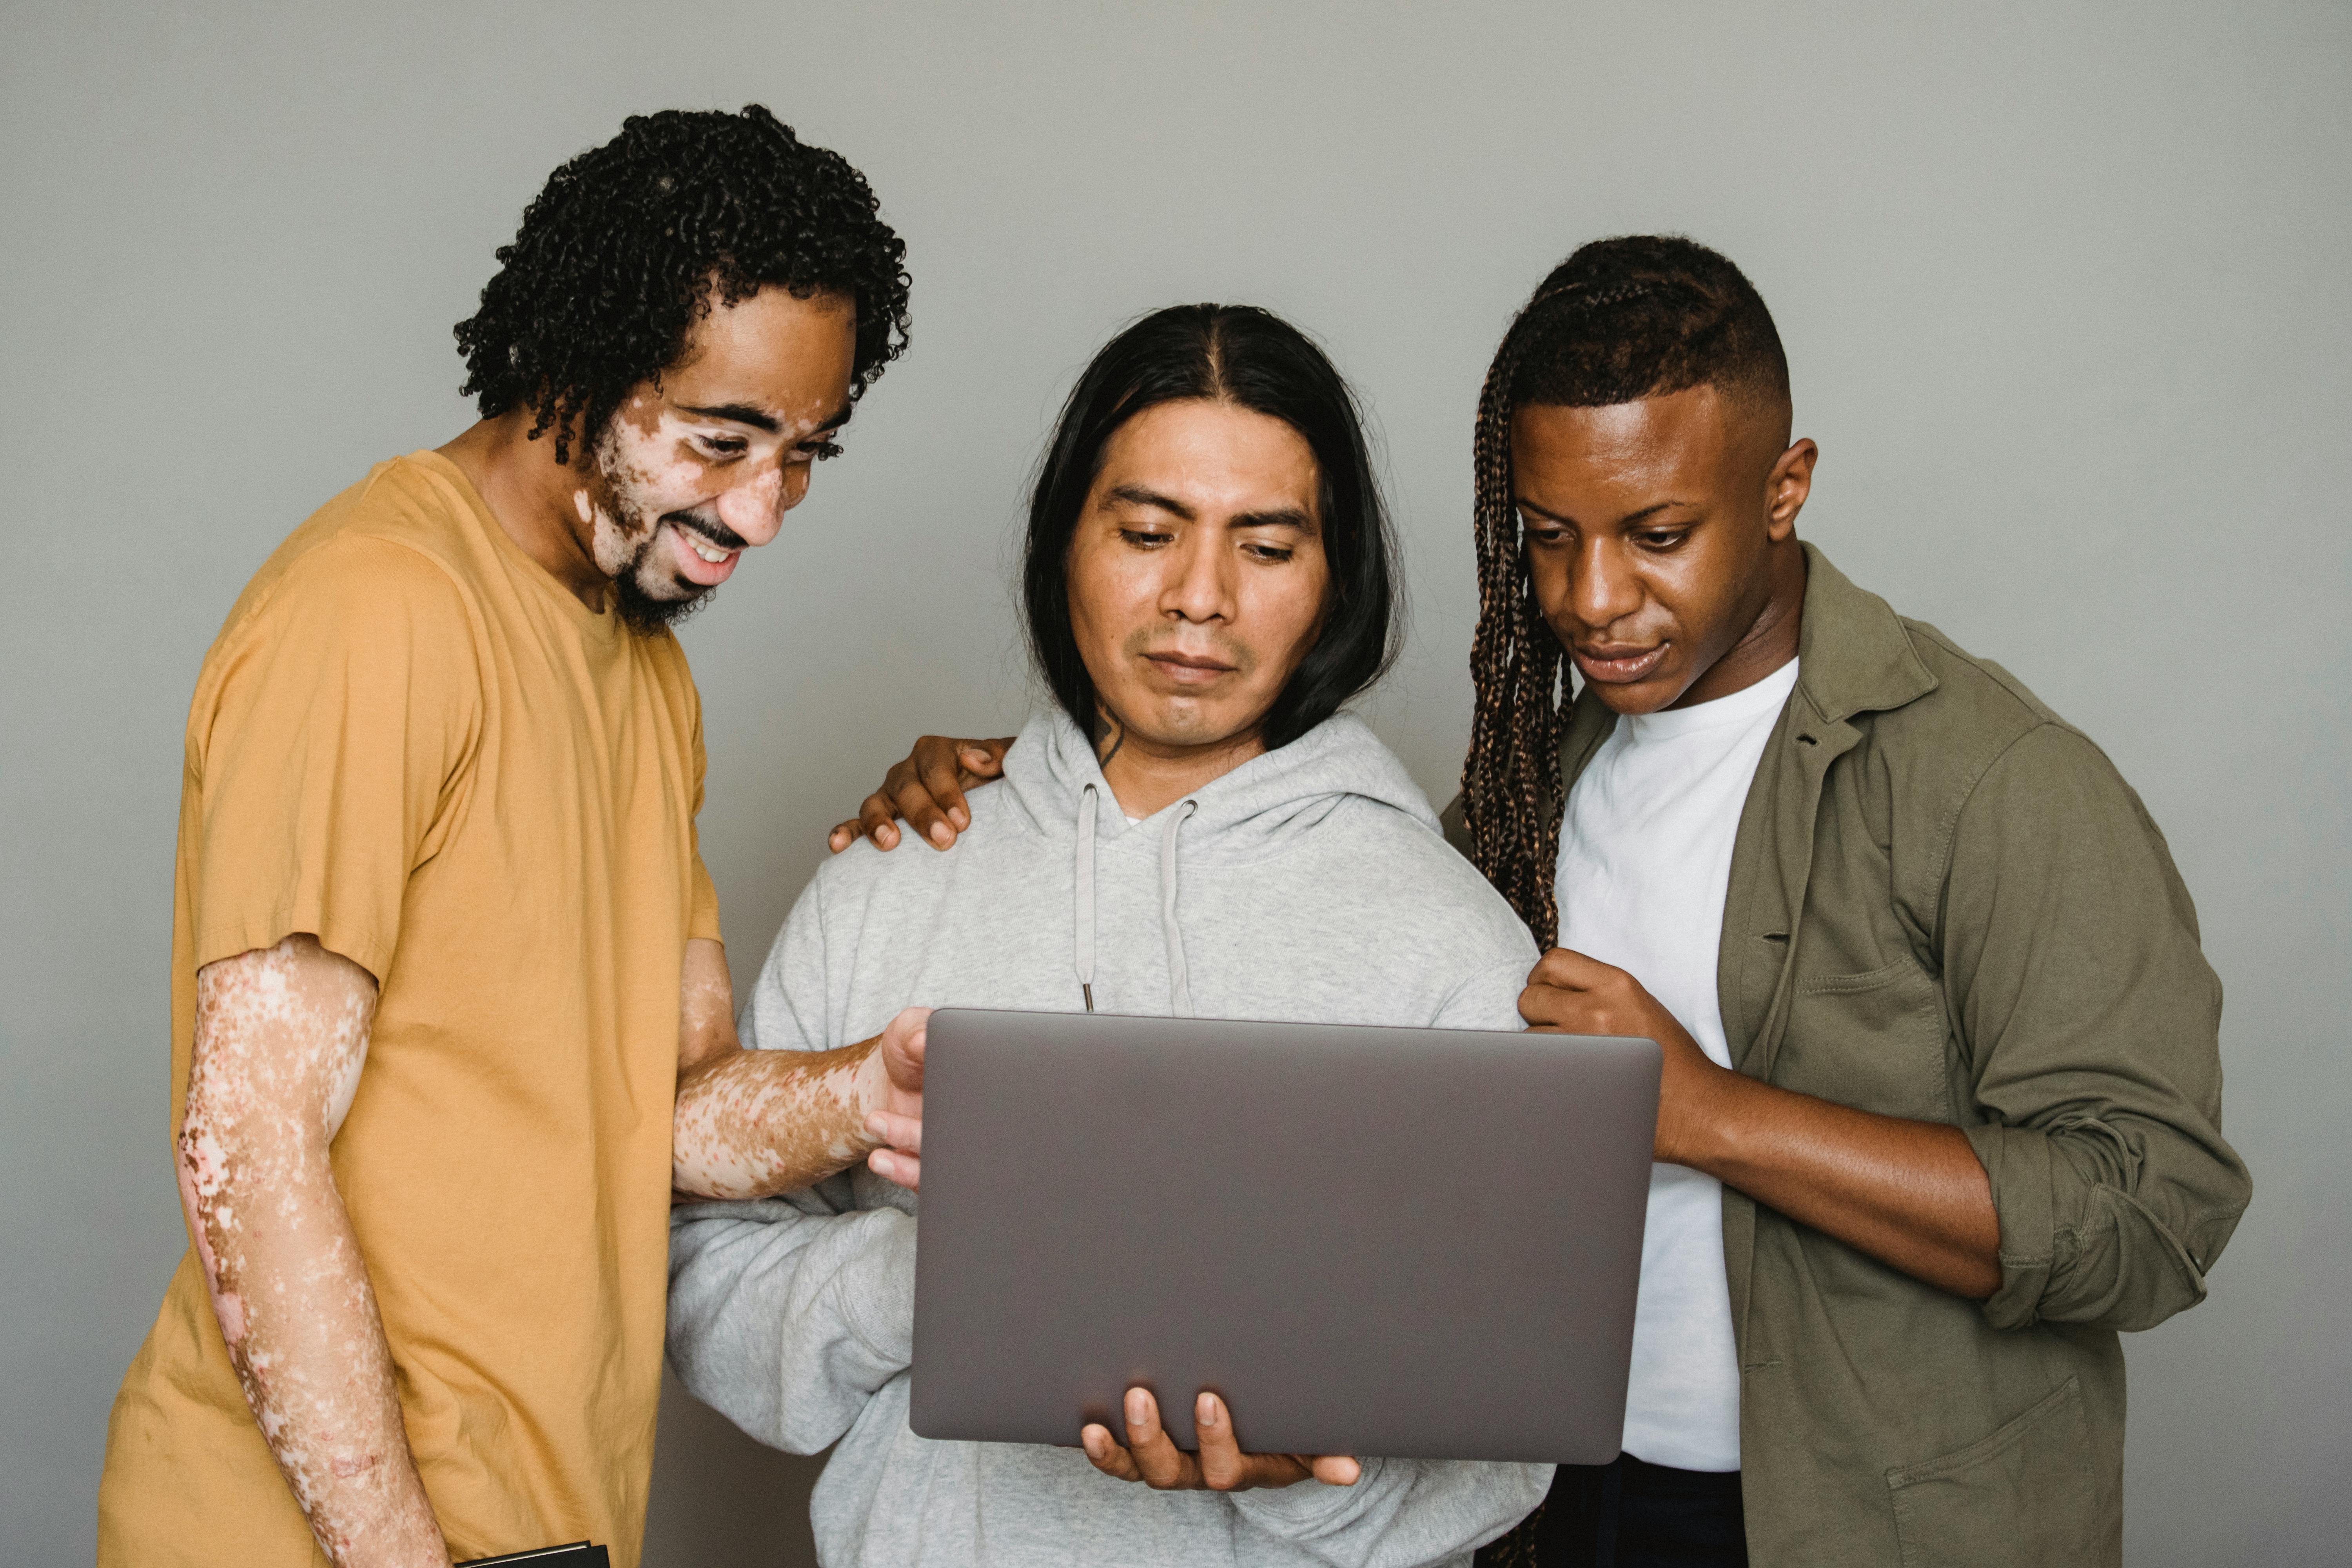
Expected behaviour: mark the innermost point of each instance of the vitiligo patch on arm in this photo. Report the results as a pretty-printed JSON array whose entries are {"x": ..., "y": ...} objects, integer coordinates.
[{"x": 281, "y": 1040}]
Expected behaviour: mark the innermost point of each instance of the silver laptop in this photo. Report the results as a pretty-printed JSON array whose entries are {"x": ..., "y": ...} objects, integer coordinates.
[{"x": 1422, "y": 1243}]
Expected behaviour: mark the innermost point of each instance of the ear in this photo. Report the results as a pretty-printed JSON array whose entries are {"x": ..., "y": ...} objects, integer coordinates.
[{"x": 1791, "y": 480}]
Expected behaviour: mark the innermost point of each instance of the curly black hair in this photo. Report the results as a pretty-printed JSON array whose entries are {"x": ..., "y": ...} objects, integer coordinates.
[{"x": 623, "y": 250}]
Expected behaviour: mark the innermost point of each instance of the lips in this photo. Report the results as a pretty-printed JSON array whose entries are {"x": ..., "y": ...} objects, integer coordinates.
[
  {"x": 1618, "y": 665},
  {"x": 693, "y": 556},
  {"x": 1189, "y": 670}
]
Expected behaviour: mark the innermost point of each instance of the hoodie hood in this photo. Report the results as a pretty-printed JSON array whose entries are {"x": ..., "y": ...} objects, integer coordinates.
[{"x": 1249, "y": 814}]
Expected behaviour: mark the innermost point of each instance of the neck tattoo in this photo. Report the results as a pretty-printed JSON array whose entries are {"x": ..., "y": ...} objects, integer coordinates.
[{"x": 1110, "y": 735}]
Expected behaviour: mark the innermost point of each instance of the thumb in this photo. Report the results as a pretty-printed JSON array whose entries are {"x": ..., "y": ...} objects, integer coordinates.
[
  {"x": 1569, "y": 970},
  {"x": 1335, "y": 1469},
  {"x": 903, "y": 1045}
]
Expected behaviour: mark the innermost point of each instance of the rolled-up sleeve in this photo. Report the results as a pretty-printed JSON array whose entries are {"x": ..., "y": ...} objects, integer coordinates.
[{"x": 2092, "y": 1024}]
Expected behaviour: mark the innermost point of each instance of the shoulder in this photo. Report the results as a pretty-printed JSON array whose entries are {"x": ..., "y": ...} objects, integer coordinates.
[
  {"x": 1406, "y": 874},
  {"x": 377, "y": 552},
  {"x": 1983, "y": 747},
  {"x": 342, "y": 613},
  {"x": 1938, "y": 742},
  {"x": 862, "y": 874},
  {"x": 1454, "y": 823},
  {"x": 355, "y": 597},
  {"x": 1973, "y": 695}
]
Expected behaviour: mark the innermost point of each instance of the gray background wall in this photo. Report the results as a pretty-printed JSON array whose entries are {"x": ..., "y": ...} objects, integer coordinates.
[{"x": 2064, "y": 289}]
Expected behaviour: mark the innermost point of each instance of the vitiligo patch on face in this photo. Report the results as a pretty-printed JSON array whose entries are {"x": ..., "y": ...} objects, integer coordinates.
[{"x": 648, "y": 469}]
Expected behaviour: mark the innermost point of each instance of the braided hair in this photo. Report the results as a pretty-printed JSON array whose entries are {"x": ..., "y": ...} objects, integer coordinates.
[
  {"x": 623, "y": 249},
  {"x": 1638, "y": 316}
]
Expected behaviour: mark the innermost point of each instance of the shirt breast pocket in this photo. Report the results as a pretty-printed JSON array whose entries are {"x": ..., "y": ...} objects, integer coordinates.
[{"x": 1874, "y": 1040}]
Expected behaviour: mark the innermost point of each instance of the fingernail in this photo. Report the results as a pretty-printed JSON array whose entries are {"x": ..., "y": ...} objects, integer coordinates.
[
  {"x": 1093, "y": 1444},
  {"x": 961, "y": 817},
  {"x": 874, "y": 1129},
  {"x": 1137, "y": 1408},
  {"x": 940, "y": 833},
  {"x": 1204, "y": 1410}
]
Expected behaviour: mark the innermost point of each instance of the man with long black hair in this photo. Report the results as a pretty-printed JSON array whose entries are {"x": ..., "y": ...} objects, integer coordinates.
[
  {"x": 1941, "y": 1112},
  {"x": 444, "y": 952},
  {"x": 1192, "y": 827}
]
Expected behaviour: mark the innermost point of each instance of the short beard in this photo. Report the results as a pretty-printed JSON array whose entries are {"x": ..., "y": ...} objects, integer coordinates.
[
  {"x": 643, "y": 614},
  {"x": 639, "y": 611}
]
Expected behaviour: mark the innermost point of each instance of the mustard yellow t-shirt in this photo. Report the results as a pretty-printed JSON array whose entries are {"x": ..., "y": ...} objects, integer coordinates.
[{"x": 410, "y": 740}]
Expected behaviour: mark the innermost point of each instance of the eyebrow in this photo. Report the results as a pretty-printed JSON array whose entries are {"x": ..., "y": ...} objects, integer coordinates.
[
  {"x": 1632, "y": 517},
  {"x": 759, "y": 418},
  {"x": 1280, "y": 517}
]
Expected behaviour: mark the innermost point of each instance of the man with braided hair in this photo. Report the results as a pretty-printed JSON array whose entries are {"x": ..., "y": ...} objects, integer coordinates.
[
  {"x": 447, "y": 967},
  {"x": 1941, "y": 1109}
]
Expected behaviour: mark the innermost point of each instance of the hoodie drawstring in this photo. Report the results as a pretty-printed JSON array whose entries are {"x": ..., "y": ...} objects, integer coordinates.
[
  {"x": 1085, "y": 880},
  {"x": 1179, "y": 986}
]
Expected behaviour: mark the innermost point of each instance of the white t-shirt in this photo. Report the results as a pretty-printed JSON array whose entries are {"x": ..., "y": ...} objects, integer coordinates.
[{"x": 1644, "y": 861}]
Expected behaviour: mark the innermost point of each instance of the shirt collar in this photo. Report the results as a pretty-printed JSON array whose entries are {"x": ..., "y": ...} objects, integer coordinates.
[{"x": 1853, "y": 653}]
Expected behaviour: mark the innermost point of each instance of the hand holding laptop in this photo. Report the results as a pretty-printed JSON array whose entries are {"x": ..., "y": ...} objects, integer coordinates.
[
  {"x": 890, "y": 1080},
  {"x": 1151, "y": 1456}
]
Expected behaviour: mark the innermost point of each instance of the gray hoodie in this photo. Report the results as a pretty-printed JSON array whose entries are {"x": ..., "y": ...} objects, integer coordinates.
[{"x": 1310, "y": 884}]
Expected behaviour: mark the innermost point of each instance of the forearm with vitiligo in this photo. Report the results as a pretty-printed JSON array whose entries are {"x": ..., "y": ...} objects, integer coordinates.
[{"x": 281, "y": 1036}]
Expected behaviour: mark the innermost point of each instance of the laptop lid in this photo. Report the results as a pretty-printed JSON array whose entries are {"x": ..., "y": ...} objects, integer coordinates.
[{"x": 1422, "y": 1243}]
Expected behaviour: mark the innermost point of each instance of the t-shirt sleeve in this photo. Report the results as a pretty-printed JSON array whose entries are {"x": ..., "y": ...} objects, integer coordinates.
[
  {"x": 702, "y": 912},
  {"x": 702, "y": 921},
  {"x": 327, "y": 748}
]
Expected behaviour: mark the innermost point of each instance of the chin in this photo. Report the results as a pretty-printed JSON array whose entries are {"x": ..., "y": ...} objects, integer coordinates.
[
  {"x": 1166, "y": 722},
  {"x": 1641, "y": 698},
  {"x": 650, "y": 612}
]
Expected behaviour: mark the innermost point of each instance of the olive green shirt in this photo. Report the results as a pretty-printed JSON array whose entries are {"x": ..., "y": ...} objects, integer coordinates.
[{"x": 1946, "y": 904}]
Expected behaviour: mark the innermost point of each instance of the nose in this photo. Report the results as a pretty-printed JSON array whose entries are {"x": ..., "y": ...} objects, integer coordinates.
[
  {"x": 1199, "y": 586},
  {"x": 754, "y": 506},
  {"x": 1601, "y": 586}
]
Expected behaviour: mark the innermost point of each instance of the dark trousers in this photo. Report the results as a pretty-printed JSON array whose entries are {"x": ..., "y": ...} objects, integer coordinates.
[{"x": 1633, "y": 1514}]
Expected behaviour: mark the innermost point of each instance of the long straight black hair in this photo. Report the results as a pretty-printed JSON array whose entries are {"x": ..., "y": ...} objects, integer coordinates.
[{"x": 1255, "y": 360}]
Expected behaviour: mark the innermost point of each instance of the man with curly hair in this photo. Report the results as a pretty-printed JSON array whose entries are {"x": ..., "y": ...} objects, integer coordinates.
[{"x": 447, "y": 976}]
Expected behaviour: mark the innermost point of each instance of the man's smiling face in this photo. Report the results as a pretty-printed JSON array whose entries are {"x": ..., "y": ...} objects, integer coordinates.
[{"x": 701, "y": 463}]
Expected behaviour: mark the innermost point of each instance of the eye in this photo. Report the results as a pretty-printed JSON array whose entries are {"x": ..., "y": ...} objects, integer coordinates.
[
  {"x": 1661, "y": 538},
  {"x": 1272, "y": 555},
  {"x": 723, "y": 447},
  {"x": 1146, "y": 537},
  {"x": 822, "y": 451},
  {"x": 1541, "y": 530}
]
